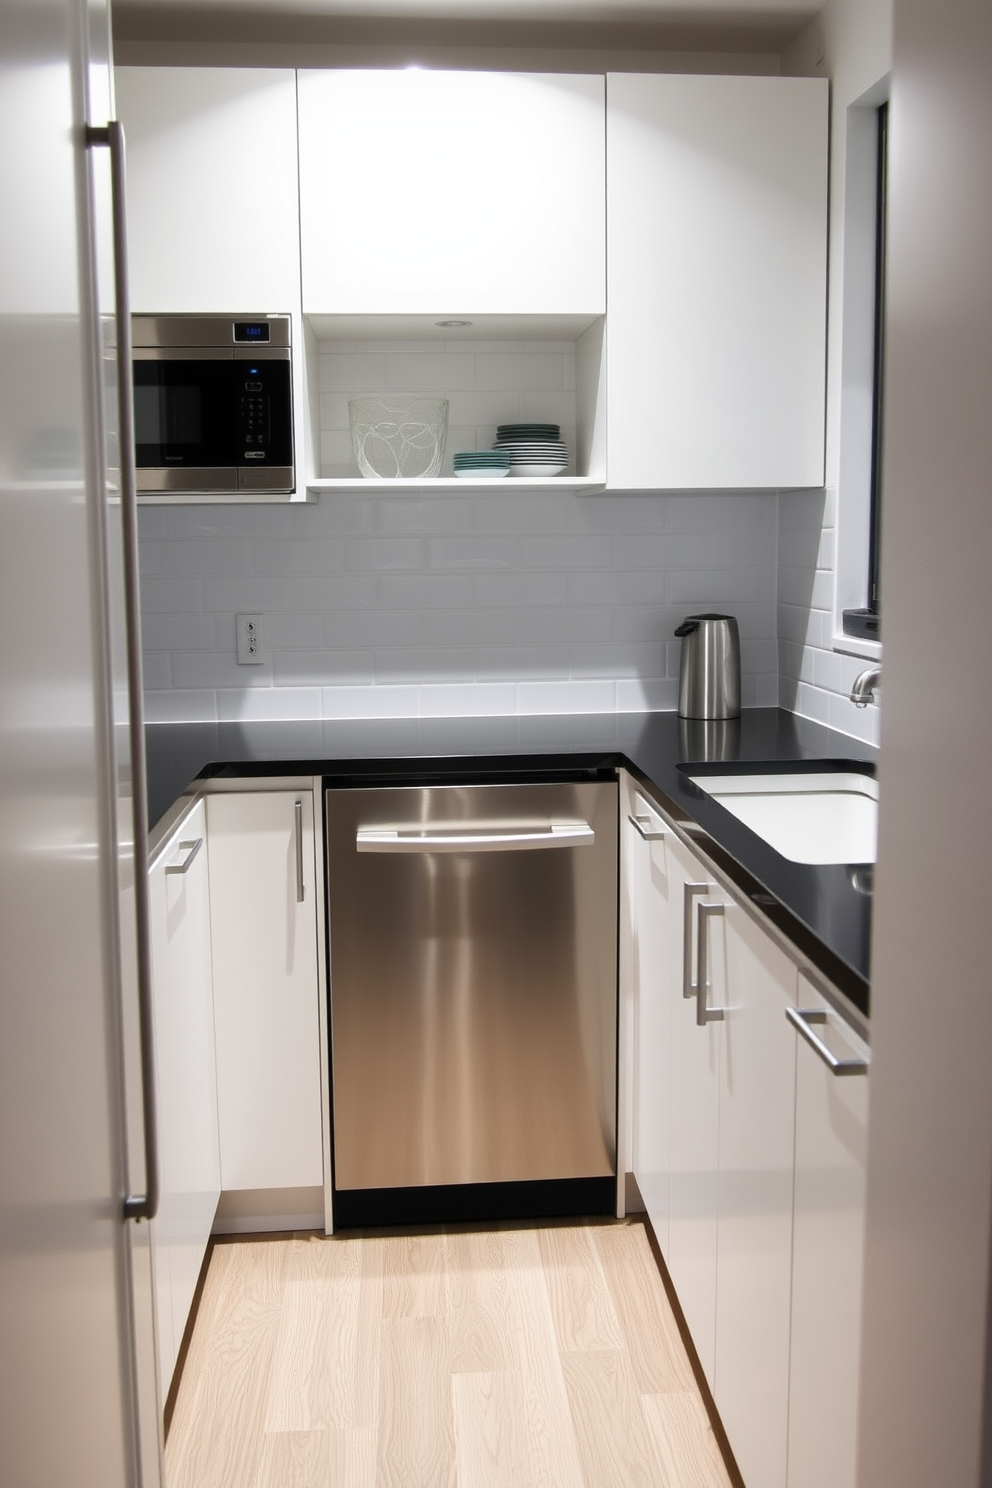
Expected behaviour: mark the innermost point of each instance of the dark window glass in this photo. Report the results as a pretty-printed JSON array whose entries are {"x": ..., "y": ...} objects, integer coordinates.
[{"x": 866, "y": 622}]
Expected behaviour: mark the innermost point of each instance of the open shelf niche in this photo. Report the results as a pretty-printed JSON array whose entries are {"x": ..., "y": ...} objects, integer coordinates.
[{"x": 499, "y": 369}]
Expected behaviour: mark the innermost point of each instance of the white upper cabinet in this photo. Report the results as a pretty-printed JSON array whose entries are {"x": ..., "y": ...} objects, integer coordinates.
[
  {"x": 213, "y": 217},
  {"x": 428, "y": 192},
  {"x": 717, "y": 233}
]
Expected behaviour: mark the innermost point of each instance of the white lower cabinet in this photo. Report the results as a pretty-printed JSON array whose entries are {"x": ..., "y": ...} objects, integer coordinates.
[
  {"x": 264, "y": 931},
  {"x": 754, "y": 985},
  {"x": 186, "y": 1081},
  {"x": 650, "y": 893},
  {"x": 748, "y": 1146},
  {"x": 697, "y": 1053},
  {"x": 827, "y": 1256}
]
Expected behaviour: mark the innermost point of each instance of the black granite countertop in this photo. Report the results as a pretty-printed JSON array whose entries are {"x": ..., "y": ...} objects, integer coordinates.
[{"x": 824, "y": 910}]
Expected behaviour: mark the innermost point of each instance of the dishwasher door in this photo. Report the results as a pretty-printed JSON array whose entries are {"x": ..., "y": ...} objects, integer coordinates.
[{"x": 473, "y": 950}]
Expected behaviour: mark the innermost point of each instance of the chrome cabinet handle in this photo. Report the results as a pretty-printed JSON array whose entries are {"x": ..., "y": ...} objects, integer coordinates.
[
  {"x": 298, "y": 814},
  {"x": 802, "y": 1019},
  {"x": 704, "y": 1013},
  {"x": 690, "y": 892},
  {"x": 136, "y": 1206},
  {"x": 191, "y": 849},
  {"x": 645, "y": 829},
  {"x": 414, "y": 840}
]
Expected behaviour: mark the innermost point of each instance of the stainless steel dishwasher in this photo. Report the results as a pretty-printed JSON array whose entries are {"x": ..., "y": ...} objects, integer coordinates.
[{"x": 473, "y": 961}]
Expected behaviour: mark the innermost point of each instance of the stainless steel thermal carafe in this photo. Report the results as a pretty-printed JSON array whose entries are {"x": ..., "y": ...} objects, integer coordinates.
[{"x": 710, "y": 667}]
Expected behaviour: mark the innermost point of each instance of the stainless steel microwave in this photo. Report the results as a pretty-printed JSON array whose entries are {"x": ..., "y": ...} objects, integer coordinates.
[{"x": 213, "y": 404}]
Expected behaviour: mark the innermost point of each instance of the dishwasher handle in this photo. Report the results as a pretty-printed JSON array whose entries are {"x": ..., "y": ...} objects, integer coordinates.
[{"x": 408, "y": 839}]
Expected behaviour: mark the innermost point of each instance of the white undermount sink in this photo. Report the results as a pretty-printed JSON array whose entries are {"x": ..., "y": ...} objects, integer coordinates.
[{"x": 821, "y": 817}]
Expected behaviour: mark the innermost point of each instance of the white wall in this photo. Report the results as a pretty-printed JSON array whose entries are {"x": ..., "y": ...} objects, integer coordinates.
[
  {"x": 851, "y": 43},
  {"x": 426, "y": 604},
  {"x": 925, "y": 1374}
]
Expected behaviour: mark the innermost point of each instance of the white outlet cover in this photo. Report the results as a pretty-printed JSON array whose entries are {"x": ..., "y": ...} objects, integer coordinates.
[{"x": 250, "y": 640}]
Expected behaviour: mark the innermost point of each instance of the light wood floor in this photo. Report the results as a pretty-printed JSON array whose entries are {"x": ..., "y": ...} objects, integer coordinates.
[{"x": 508, "y": 1358}]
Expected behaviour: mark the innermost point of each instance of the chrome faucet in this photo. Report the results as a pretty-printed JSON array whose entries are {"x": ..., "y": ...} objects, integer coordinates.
[{"x": 865, "y": 686}]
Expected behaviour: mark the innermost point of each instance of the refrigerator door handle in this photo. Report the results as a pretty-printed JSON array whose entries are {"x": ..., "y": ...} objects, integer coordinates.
[{"x": 136, "y": 1206}]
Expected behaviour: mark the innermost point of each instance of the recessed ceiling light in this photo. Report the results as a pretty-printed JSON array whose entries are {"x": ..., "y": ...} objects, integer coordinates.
[{"x": 452, "y": 325}]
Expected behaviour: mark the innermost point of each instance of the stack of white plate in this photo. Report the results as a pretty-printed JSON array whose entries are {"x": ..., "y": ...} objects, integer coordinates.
[{"x": 535, "y": 450}]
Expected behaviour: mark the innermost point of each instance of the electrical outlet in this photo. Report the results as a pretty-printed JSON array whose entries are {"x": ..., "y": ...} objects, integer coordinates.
[{"x": 250, "y": 640}]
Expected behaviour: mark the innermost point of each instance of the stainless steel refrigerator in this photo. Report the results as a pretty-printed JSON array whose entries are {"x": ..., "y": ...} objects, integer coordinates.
[{"x": 77, "y": 1386}]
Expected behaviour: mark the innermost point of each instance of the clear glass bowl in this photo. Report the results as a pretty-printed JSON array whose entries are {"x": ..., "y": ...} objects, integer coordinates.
[{"x": 398, "y": 436}]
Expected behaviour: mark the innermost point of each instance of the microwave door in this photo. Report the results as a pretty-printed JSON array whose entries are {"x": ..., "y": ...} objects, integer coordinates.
[{"x": 186, "y": 423}]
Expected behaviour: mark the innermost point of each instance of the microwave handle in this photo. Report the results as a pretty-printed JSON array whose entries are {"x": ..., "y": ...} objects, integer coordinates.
[{"x": 111, "y": 136}]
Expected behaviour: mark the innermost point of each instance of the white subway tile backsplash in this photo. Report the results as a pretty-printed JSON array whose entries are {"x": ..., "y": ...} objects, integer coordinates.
[
  {"x": 353, "y": 373},
  {"x": 566, "y": 551},
  {"x": 413, "y": 514},
  {"x": 812, "y": 703},
  {"x": 292, "y": 556},
  {"x": 822, "y": 593},
  {"x": 370, "y": 702},
  {"x": 216, "y": 669},
  {"x": 482, "y": 554},
  {"x": 431, "y": 373},
  {"x": 176, "y": 706},
  {"x": 528, "y": 371},
  {"x": 397, "y": 605},
  {"x": 372, "y": 627},
  {"x": 566, "y": 697},
  {"x": 421, "y": 664},
  {"x": 647, "y": 695},
  {"x": 428, "y": 591},
  {"x": 384, "y": 554},
  {"x": 523, "y": 663},
  {"x": 264, "y": 703},
  {"x": 156, "y": 670},
  {"x": 320, "y": 667},
  {"x": 766, "y": 690},
  {"x": 177, "y": 633},
  {"x": 704, "y": 589},
  {"x": 482, "y": 700}
]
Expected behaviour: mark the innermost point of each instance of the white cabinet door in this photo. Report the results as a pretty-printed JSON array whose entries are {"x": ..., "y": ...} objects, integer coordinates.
[
  {"x": 754, "y": 1229},
  {"x": 717, "y": 232},
  {"x": 186, "y": 1090},
  {"x": 433, "y": 192},
  {"x": 696, "y": 1057},
  {"x": 831, "y": 1153},
  {"x": 648, "y": 861},
  {"x": 264, "y": 923},
  {"x": 213, "y": 217}
]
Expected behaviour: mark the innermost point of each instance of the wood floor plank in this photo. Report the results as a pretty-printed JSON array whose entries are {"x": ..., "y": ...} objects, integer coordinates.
[
  {"x": 416, "y": 1442},
  {"x": 615, "y": 1446},
  {"x": 295, "y": 1459},
  {"x": 581, "y": 1304},
  {"x": 294, "y": 1406},
  {"x": 492, "y": 1431},
  {"x": 395, "y": 1361},
  {"x": 413, "y": 1276},
  {"x": 684, "y": 1441},
  {"x": 650, "y": 1331},
  {"x": 479, "y": 1307},
  {"x": 554, "y": 1451},
  {"x": 216, "y": 1433},
  {"x": 352, "y": 1458}
]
